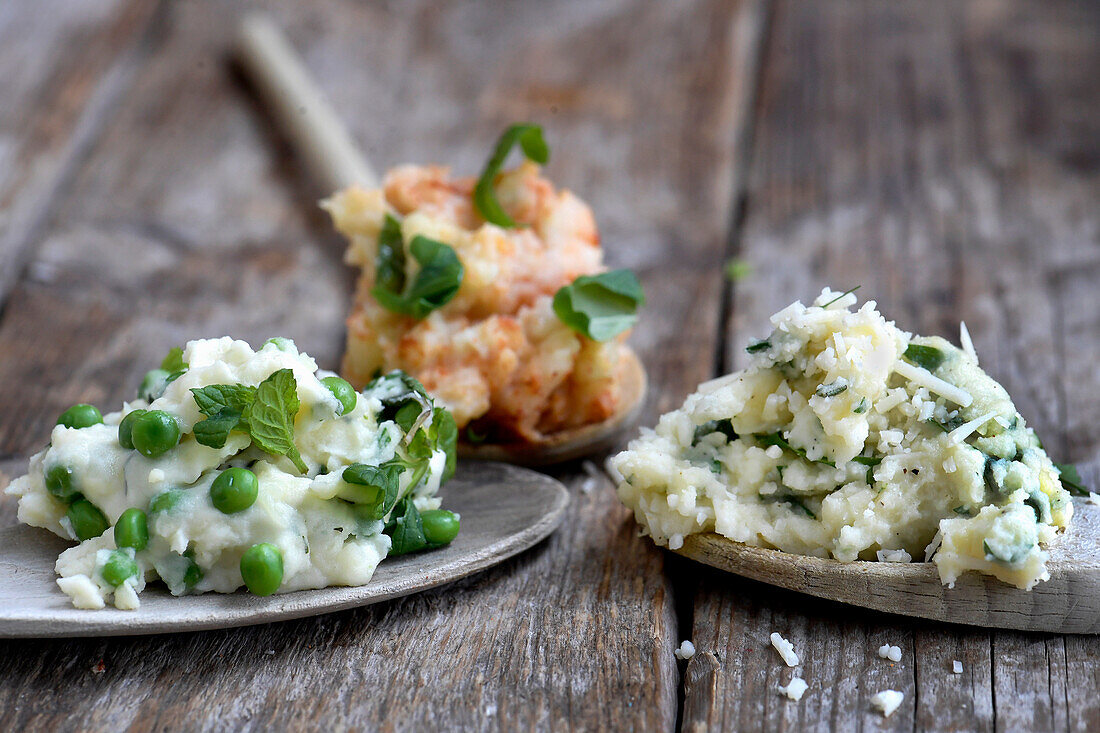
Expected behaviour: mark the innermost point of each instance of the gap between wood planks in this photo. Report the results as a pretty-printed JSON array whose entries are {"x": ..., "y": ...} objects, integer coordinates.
[
  {"x": 753, "y": 34},
  {"x": 86, "y": 131}
]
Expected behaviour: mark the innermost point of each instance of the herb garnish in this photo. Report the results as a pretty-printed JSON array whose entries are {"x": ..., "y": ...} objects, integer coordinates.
[
  {"x": 1071, "y": 480},
  {"x": 389, "y": 263},
  {"x": 534, "y": 147},
  {"x": 769, "y": 439},
  {"x": 926, "y": 357},
  {"x": 174, "y": 363},
  {"x": 600, "y": 306},
  {"x": 267, "y": 412},
  {"x": 757, "y": 346},
  {"x": 832, "y": 389},
  {"x": 870, "y": 462},
  {"x": 725, "y": 427},
  {"x": 846, "y": 292},
  {"x": 436, "y": 283},
  {"x": 406, "y": 530},
  {"x": 861, "y": 407},
  {"x": 384, "y": 479}
]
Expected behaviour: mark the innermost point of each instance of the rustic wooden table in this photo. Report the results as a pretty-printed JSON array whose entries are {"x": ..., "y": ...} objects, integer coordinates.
[{"x": 946, "y": 156}]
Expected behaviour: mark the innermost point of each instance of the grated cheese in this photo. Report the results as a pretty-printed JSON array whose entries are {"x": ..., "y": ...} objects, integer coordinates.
[
  {"x": 963, "y": 432},
  {"x": 966, "y": 343},
  {"x": 925, "y": 378}
]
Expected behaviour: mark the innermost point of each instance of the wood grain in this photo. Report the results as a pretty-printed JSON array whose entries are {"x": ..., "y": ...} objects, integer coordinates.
[
  {"x": 187, "y": 218},
  {"x": 945, "y": 157}
]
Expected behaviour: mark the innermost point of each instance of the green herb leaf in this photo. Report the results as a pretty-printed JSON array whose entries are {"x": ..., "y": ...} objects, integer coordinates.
[
  {"x": 436, "y": 283},
  {"x": 927, "y": 357},
  {"x": 270, "y": 416},
  {"x": 389, "y": 263},
  {"x": 534, "y": 147},
  {"x": 769, "y": 439},
  {"x": 832, "y": 389},
  {"x": 725, "y": 427},
  {"x": 600, "y": 306},
  {"x": 385, "y": 478},
  {"x": 174, "y": 361},
  {"x": 962, "y": 511},
  {"x": 1071, "y": 480},
  {"x": 445, "y": 435},
  {"x": 846, "y": 292},
  {"x": 757, "y": 346},
  {"x": 407, "y": 532},
  {"x": 224, "y": 406},
  {"x": 797, "y": 504},
  {"x": 861, "y": 407}
]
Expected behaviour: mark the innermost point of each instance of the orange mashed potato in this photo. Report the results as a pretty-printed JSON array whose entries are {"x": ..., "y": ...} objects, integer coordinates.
[{"x": 496, "y": 355}]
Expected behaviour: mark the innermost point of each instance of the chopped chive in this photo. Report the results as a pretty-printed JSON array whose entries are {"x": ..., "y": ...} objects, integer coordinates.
[
  {"x": 757, "y": 346},
  {"x": 846, "y": 292},
  {"x": 832, "y": 389},
  {"x": 861, "y": 407}
]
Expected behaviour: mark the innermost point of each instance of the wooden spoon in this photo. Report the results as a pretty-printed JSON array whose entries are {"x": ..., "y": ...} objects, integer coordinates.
[
  {"x": 315, "y": 131},
  {"x": 1068, "y": 603}
]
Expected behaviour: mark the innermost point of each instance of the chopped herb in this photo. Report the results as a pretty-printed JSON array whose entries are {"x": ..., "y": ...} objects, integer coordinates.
[
  {"x": 737, "y": 269},
  {"x": 832, "y": 389},
  {"x": 870, "y": 462},
  {"x": 600, "y": 306},
  {"x": 407, "y": 530},
  {"x": 534, "y": 148},
  {"x": 962, "y": 511},
  {"x": 436, "y": 283},
  {"x": 926, "y": 357},
  {"x": 716, "y": 466},
  {"x": 846, "y": 292},
  {"x": 861, "y": 407},
  {"x": 950, "y": 424},
  {"x": 174, "y": 362},
  {"x": 769, "y": 439},
  {"x": 757, "y": 346},
  {"x": 384, "y": 478},
  {"x": 1071, "y": 480},
  {"x": 270, "y": 416},
  {"x": 725, "y": 427},
  {"x": 797, "y": 504}
]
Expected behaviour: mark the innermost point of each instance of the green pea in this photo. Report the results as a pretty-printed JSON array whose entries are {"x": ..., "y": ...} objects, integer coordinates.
[
  {"x": 80, "y": 416},
  {"x": 165, "y": 501},
  {"x": 343, "y": 392},
  {"x": 155, "y": 433},
  {"x": 118, "y": 568},
  {"x": 126, "y": 428},
  {"x": 153, "y": 384},
  {"x": 87, "y": 520},
  {"x": 234, "y": 490},
  {"x": 132, "y": 530},
  {"x": 59, "y": 482},
  {"x": 262, "y": 568},
  {"x": 440, "y": 526}
]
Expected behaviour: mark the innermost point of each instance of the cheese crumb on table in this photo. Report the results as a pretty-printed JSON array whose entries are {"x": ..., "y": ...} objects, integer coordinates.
[
  {"x": 887, "y": 651},
  {"x": 956, "y": 667},
  {"x": 686, "y": 650},
  {"x": 795, "y": 689},
  {"x": 887, "y": 701},
  {"x": 785, "y": 649},
  {"x": 1094, "y": 497}
]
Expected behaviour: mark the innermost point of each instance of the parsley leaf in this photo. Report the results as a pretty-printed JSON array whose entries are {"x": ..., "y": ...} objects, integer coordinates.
[
  {"x": 270, "y": 416},
  {"x": 224, "y": 406},
  {"x": 436, "y": 283},
  {"x": 926, "y": 357},
  {"x": 534, "y": 147},
  {"x": 600, "y": 306},
  {"x": 407, "y": 531},
  {"x": 1071, "y": 480}
]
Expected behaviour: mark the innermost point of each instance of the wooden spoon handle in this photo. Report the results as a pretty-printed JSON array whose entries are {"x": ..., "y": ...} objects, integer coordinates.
[{"x": 306, "y": 117}]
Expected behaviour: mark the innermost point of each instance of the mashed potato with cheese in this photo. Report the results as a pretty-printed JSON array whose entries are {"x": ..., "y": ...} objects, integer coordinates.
[
  {"x": 496, "y": 355},
  {"x": 849, "y": 438},
  {"x": 322, "y": 529}
]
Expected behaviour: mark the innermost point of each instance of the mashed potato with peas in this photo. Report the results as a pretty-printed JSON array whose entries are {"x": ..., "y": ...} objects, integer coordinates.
[{"x": 849, "y": 438}]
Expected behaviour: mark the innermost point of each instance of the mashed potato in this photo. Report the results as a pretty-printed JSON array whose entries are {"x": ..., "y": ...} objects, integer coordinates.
[
  {"x": 496, "y": 355},
  {"x": 849, "y": 438},
  {"x": 323, "y": 529}
]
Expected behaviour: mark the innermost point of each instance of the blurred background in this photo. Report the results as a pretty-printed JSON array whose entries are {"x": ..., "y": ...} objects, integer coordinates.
[{"x": 738, "y": 155}]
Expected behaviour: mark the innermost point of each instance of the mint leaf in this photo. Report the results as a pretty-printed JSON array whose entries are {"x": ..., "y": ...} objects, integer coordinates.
[
  {"x": 174, "y": 361},
  {"x": 436, "y": 283},
  {"x": 385, "y": 478},
  {"x": 926, "y": 357},
  {"x": 534, "y": 148},
  {"x": 270, "y": 416},
  {"x": 407, "y": 531},
  {"x": 389, "y": 263},
  {"x": 445, "y": 434},
  {"x": 600, "y": 306},
  {"x": 224, "y": 405},
  {"x": 1071, "y": 480}
]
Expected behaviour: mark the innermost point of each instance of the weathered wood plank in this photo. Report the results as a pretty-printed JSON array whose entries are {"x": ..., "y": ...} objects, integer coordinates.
[
  {"x": 944, "y": 157},
  {"x": 66, "y": 63},
  {"x": 187, "y": 220}
]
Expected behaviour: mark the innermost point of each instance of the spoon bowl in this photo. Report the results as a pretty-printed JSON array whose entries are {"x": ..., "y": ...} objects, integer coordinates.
[
  {"x": 1068, "y": 603},
  {"x": 571, "y": 443}
]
